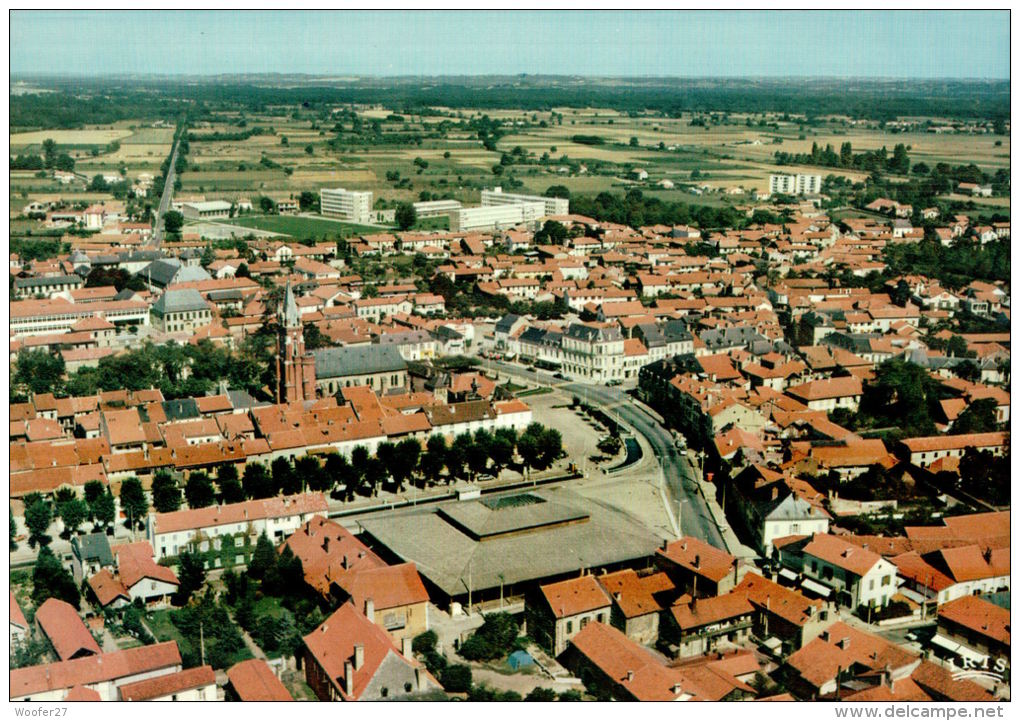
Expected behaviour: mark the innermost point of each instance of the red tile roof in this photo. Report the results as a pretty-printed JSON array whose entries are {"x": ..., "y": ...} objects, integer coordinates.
[
  {"x": 135, "y": 562},
  {"x": 385, "y": 586},
  {"x": 277, "y": 507},
  {"x": 65, "y": 629},
  {"x": 699, "y": 557},
  {"x": 93, "y": 669},
  {"x": 842, "y": 554},
  {"x": 574, "y": 596},
  {"x": 980, "y": 616},
  {"x": 80, "y": 693},
  {"x": 253, "y": 680},
  {"x": 107, "y": 588},
  {"x": 161, "y": 686},
  {"x": 16, "y": 616},
  {"x": 635, "y": 595},
  {"x": 332, "y": 645}
]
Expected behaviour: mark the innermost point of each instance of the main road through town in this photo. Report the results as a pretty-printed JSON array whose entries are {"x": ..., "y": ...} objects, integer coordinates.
[
  {"x": 164, "y": 202},
  {"x": 695, "y": 518}
]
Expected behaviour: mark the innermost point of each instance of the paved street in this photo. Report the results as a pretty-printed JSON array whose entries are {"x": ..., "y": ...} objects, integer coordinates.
[
  {"x": 164, "y": 202},
  {"x": 695, "y": 517}
]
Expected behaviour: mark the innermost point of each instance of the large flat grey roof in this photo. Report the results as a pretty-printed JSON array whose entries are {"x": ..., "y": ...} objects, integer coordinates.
[{"x": 579, "y": 533}]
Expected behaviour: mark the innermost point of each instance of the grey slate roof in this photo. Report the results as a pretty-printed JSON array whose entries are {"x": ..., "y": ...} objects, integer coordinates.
[
  {"x": 506, "y": 323},
  {"x": 181, "y": 409},
  {"x": 448, "y": 554},
  {"x": 357, "y": 360},
  {"x": 179, "y": 301},
  {"x": 593, "y": 335},
  {"x": 93, "y": 546},
  {"x": 162, "y": 271},
  {"x": 47, "y": 280}
]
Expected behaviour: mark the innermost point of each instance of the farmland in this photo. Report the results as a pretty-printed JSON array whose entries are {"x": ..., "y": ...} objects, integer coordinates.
[{"x": 279, "y": 150}]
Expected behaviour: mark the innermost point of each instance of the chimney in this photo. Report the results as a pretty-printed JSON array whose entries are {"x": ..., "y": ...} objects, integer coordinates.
[
  {"x": 697, "y": 560},
  {"x": 677, "y": 689},
  {"x": 346, "y": 564},
  {"x": 824, "y": 635},
  {"x": 987, "y": 554},
  {"x": 417, "y": 678},
  {"x": 349, "y": 678},
  {"x": 405, "y": 646},
  {"x": 665, "y": 545},
  {"x": 359, "y": 656},
  {"x": 325, "y": 544},
  {"x": 370, "y": 609},
  {"x": 844, "y": 643},
  {"x": 617, "y": 595},
  {"x": 630, "y": 675}
]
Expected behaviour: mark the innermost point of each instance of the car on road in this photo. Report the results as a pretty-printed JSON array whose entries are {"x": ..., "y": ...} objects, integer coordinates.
[
  {"x": 560, "y": 376},
  {"x": 615, "y": 382}
]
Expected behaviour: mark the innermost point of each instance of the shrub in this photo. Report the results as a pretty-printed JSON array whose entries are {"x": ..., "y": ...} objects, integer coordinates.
[{"x": 456, "y": 678}]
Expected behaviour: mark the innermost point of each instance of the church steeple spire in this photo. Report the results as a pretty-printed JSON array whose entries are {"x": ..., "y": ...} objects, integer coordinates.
[
  {"x": 289, "y": 315},
  {"x": 295, "y": 368}
]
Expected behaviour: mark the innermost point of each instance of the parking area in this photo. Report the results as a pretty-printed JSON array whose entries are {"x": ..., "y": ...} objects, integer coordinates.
[{"x": 580, "y": 434}]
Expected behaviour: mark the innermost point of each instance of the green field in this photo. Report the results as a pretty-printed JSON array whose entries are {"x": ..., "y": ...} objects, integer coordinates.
[{"x": 304, "y": 228}]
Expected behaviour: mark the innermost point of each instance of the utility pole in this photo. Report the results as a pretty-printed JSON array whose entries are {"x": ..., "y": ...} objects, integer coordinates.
[{"x": 201, "y": 641}]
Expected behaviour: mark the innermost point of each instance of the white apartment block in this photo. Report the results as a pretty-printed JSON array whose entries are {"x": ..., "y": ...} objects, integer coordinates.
[
  {"x": 352, "y": 205},
  {"x": 435, "y": 208},
  {"x": 553, "y": 206},
  {"x": 494, "y": 217},
  {"x": 800, "y": 184}
]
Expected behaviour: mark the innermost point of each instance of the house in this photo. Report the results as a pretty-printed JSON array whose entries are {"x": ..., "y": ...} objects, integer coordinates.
[
  {"x": 829, "y": 394},
  {"x": 695, "y": 627},
  {"x": 59, "y": 622},
  {"x": 90, "y": 554},
  {"x": 192, "y": 684},
  {"x": 181, "y": 311},
  {"x": 784, "y": 618},
  {"x": 170, "y": 533},
  {"x": 613, "y": 666},
  {"x": 847, "y": 664},
  {"x": 392, "y": 597},
  {"x": 975, "y": 633},
  {"x": 103, "y": 674},
  {"x": 559, "y": 611},
  {"x": 18, "y": 624},
  {"x": 349, "y": 658},
  {"x": 698, "y": 568},
  {"x": 926, "y": 451},
  {"x": 856, "y": 576},
  {"x": 638, "y": 602},
  {"x": 254, "y": 680},
  {"x": 142, "y": 578},
  {"x": 769, "y": 508}
]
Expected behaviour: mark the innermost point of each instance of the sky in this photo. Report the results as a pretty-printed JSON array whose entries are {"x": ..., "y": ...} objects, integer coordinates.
[{"x": 916, "y": 44}]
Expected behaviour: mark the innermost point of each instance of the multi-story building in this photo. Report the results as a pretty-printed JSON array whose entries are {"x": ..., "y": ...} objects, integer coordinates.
[
  {"x": 352, "y": 205},
  {"x": 553, "y": 206},
  {"x": 47, "y": 285},
  {"x": 559, "y": 611},
  {"x": 594, "y": 354},
  {"x": 800, "y": 184},
  {"x": 435, "y": 208},
  {"x": 494, "y": 217},
  {"x": 207, "y": 209},
  {"x": 179, "y": 311},
  {"x": 209, "y": 528}
]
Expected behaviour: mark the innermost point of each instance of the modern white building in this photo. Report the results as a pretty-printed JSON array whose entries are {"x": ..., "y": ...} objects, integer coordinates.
[
  {"x": 553, "y": 206},
  {"x": 800, "y": 184},
  {"x": 435, "y": 208},
  {"x": 352, "y": 205},
  {"x": 207, "y": 209},
  {"x": 495, "y": 217}
]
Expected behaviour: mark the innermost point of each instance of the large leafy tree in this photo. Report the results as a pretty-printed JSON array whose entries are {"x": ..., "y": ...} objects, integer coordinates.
[
  {"x": 38, "y": 371},
  {"x": 229, "y": 484},
  {"x": 978, "y": 417},
  {"x": 51, "y": 580},
  {"x": 310, "y": 473},
  {"x": 263, "y": 558},
  {"x": 199, "y": 490},
  {"x": 191, "y": 574},
  {"x": 38, "y": 516},
  {"x": 104, "y": 509},
  {"x": 133, "y": 500},
  {"x": 166, "y": 496},
  {"x": 73, "y": 513},
  {"x": 902, "y": 396},
  {"x": 257, "y": 482}
]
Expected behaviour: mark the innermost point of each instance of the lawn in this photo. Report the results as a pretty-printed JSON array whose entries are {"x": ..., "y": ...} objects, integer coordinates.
[{"x": 302, "y": 228}]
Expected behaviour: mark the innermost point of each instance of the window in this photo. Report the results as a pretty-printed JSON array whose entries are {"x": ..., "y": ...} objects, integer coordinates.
[
  {"x": 886, "y": 580},
  {"x": 570, "y": 626},
  {"x": 584, "y": 621}
]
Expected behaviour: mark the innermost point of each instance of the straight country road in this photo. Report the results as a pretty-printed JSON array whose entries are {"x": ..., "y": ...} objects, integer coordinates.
[
  {"x": 164, "y": 201},
  {"x": 695, "y": 518}
]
